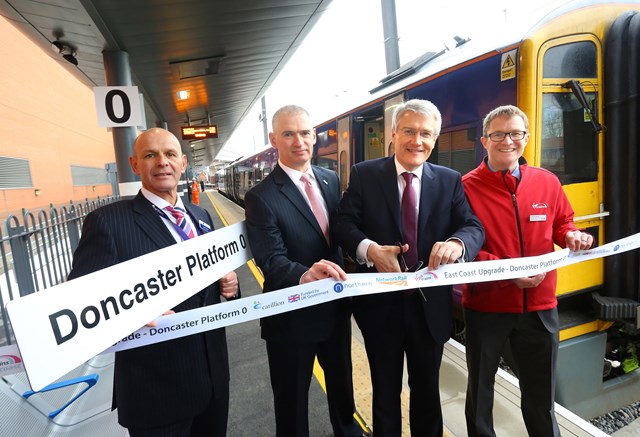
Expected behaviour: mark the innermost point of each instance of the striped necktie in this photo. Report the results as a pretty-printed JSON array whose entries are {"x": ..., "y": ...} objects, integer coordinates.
[{"x": 181, "y": 220}]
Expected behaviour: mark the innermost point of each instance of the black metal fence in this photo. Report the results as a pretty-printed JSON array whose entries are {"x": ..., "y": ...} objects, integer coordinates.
[{"x": 36, "y": 251}]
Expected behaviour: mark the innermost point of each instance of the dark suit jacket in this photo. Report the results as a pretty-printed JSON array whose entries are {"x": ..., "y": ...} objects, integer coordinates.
[
  {"x": 370, "y": 208},
  {"x": 286, "y": 240},
  {"x": 165, "y": 382}
]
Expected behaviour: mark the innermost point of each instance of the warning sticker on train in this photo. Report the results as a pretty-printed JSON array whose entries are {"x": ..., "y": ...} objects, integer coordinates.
[{"x": 508, "y": 65}]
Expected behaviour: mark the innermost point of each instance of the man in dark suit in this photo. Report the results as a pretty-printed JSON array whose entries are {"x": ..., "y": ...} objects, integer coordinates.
[
  {"x": 369, "y": 225},
  {"x": 178, "y": 387},
  {"x": 290, "y": 244}
]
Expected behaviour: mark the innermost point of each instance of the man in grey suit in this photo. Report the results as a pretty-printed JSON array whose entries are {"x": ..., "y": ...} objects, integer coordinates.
[
  {"x": 289, "y": 243},
  {"x": 178, "y": 387},
  {"x": 372, "y": 227}
]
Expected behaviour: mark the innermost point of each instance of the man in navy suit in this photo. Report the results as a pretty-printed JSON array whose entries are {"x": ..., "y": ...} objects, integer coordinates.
[
  {"x": 178, "y": 387},
  {"x": 368, "y": 224},
  {"x": 290, "y": 246}
]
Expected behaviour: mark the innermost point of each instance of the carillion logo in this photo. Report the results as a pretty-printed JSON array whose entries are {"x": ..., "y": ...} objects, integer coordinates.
[{"x": 256, "y": 305}]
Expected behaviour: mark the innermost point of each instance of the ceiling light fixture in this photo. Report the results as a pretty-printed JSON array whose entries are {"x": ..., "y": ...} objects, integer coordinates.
[
  {"x": 65, "y": 50},
  {"x": 183, "y": 94}
]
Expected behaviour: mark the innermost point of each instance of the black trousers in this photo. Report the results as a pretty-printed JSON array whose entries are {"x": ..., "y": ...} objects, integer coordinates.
[
  {"x": 533, "y": 341},
  {"x": 291, "y": 369},
  {"x": 212, "y": 422},
  {"x": 405, "y": 332}
]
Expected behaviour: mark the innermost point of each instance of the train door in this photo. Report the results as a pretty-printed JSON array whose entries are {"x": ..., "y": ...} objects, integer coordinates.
[
  {"x": 344, "y": 151},
  {"x": 568, "y": 132},
  {"x": 389, "y": 107}
]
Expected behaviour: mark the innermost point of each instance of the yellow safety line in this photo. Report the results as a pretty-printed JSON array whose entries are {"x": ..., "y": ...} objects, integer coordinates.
[
  {"x": 317, "y": 369},
  {"x": 224, "y": 222}
]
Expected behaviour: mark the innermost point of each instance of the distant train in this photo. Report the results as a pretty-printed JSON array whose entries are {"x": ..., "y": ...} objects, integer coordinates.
[{"x": 575, "y": 73}]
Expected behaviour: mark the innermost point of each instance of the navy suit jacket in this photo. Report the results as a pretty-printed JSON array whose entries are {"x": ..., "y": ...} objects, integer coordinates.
[
  {"x": 165, "y": 382},
  {"x": 370, "y": 208},
  {"x": 286, "y": 241}
]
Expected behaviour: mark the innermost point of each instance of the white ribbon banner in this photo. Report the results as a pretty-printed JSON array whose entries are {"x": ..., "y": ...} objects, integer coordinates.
[
  {"x": 203, "y": 263},
  {"x": 58, "y": 329},
  {"x": 314, "y": 293}
]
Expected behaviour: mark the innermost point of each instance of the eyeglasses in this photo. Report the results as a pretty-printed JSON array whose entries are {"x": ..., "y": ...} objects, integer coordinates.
[
  {"x": 500, "y": 136},
  {"x": 411, "y": 133}
]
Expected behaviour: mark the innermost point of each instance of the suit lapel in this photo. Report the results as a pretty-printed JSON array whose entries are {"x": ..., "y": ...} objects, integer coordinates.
[
  {"x": 292, "y": 193},
  {"x": 428, "y": 192},
  {"x": 327, "y": 187},
  {"x": 150, "y": 222},
  {"x": 196, "y": 217},
  {"x": 389, "y": 187}
]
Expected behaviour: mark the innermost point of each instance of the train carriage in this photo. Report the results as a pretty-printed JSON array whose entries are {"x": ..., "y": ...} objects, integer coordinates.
[{"x": 575, "y": 73}]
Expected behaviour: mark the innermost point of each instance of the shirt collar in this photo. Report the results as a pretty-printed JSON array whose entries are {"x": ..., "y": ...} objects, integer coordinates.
[
  {"x": 159, "y": 201},
  {"x": 295, "y": 175},
  {"x": 515, "y": 173},
  {"x": 400, "y": 169}
]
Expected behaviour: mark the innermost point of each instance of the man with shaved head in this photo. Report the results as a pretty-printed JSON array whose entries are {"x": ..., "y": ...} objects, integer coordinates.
[{"x": 178, "y": 387}]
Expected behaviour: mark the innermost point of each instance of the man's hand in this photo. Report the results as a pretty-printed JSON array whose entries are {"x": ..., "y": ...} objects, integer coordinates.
[
  {"x": 445, "y": 252},
  {"x": 154, "y": 322},
  {"x": 323, "y": 269},
  {"x": 578, "y": 240},
  {"x": 385, "y": 258},
  {"x": 530, "y": 282},
  {"x": 229, "y": 285}
]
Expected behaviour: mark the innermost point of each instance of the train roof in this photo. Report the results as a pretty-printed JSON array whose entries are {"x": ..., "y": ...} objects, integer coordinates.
[{"x": 462, "y": 50}]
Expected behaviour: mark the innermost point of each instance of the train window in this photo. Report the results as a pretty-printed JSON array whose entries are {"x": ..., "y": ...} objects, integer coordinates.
[
  {"x": 577, "y": 59},
  {"x": 569, "y": 145},
  {"x": 456, "y": 149}
]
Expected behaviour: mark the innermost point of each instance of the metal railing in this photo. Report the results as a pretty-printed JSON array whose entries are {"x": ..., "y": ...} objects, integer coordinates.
[{"x": 37, "y": 252}]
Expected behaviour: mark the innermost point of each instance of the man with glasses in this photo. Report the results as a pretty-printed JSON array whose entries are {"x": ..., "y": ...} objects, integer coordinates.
[
  {"x": 386, "y": 198},
  {"x": 524, "y": 212}
]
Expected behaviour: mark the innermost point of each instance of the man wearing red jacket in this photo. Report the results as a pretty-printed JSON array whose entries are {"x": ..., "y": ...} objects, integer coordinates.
[{"x": 524, "y": 211}]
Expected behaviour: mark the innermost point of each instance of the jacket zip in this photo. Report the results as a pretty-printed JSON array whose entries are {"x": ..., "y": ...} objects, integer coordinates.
[{"x": 515, "y": 207}]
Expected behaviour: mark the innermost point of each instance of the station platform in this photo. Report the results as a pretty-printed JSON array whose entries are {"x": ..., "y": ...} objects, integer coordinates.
[
  {"x": 250, "y": 378},
  {"x": 251, "y": 404}
]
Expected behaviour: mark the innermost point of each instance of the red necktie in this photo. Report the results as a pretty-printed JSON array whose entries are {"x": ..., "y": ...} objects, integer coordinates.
[
  {"x": 409, "y": 220},
  {"x": 181, "y": 221},
  {"x": 316, "y": 205}
]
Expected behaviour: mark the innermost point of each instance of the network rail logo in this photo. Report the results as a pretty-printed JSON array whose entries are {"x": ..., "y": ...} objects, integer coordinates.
[{"x": 395, "y": 280}]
